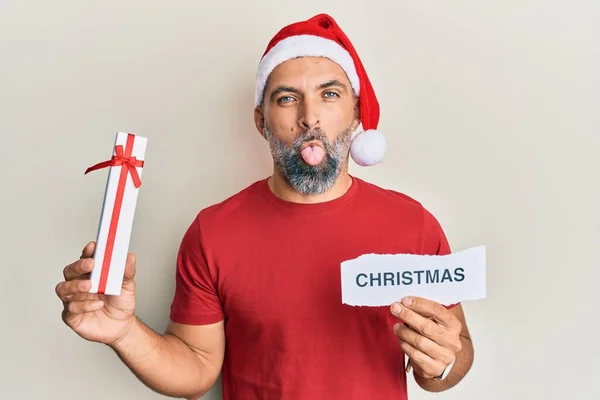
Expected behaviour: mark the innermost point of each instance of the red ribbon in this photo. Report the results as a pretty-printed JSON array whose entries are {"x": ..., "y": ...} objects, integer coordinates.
[
  {"x": 128, "y": 163},
  {"x": 122, "y": 159}
]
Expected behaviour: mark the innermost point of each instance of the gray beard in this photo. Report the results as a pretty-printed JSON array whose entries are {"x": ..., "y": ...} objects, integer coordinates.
[{"x": 305, "y": 178}]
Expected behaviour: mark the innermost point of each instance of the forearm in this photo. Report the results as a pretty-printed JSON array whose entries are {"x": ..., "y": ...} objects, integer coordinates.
[
  {"x": 462, "y": 365},
  {"x": 164, "y": 363}
]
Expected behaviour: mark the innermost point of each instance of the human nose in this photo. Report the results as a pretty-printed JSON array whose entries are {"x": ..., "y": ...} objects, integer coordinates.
[{"x": 309, "y": 115}]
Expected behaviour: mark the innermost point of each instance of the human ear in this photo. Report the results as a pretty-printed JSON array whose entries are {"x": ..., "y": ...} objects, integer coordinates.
[
  {"x": 356, "y": 120},
  {"x": 259, "y": 120}
]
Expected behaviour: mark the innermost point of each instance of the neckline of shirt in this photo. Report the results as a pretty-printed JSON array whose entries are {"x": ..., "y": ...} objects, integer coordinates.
[{"x": 286, "y": 205}]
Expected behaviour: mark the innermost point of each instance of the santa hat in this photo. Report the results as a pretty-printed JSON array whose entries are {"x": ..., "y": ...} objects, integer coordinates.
[{"x": 321, "y": 36}]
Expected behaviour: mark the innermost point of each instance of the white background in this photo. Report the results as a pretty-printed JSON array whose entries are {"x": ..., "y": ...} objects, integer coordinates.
[{"x": 490, "y": 110}]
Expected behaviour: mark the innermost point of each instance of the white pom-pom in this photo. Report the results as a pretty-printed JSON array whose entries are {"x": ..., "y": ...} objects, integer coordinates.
[{"x": 368, "y": 147}]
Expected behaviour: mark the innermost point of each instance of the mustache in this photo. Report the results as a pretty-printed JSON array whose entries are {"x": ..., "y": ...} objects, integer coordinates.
[{"x": 307, "y": 136}]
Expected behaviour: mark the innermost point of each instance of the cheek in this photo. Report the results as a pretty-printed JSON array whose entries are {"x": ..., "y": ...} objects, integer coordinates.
[
  {"x": 283, "y": 123},
  {"x": 286, "y": 133},
  {"x": 285, "y": 130},
  {"x": 338, "y": 119}
]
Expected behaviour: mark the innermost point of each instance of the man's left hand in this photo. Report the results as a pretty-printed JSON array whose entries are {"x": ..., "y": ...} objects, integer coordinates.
[{"x": 432, "y": 338}]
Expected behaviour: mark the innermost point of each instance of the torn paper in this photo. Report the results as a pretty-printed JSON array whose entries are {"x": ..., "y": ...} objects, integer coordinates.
[{"x": 382, "y": 279}]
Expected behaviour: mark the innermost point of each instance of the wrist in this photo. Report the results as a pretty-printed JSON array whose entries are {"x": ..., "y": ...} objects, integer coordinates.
[{"x": 124, "y": 340}]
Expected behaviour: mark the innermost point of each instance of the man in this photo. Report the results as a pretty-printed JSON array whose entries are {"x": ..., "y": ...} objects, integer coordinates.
[{"x": 258, "y": 293}]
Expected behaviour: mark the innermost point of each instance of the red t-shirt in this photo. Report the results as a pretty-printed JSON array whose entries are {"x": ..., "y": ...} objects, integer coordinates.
[{"x": 271, "y": 270}]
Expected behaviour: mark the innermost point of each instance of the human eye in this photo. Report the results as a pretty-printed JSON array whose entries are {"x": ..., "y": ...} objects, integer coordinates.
[
  {"x": 285, "y": 99},
  {"x": 331, "y": 95}
]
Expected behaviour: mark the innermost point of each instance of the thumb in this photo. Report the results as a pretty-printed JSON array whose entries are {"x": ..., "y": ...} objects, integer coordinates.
[{"x": 129, "y": 267}]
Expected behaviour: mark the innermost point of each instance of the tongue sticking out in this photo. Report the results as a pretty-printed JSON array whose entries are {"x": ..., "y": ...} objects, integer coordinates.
[{"x": 313, "y": 155}]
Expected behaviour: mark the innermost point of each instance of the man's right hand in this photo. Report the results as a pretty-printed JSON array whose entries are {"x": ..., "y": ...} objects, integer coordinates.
[{"x": 96, "y": 317}]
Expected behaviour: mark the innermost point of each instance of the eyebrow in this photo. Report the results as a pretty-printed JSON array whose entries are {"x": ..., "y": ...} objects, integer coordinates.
[
  {"x": 333, "y": 83},
  {"x": 290, "y": 89},
  {"x": 281, "y": 89}
]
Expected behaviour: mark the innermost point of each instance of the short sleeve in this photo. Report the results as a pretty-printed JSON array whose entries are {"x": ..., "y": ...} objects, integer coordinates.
[
  {"x": 435, "y": 241},
  {"x": 196, "y": 300}
]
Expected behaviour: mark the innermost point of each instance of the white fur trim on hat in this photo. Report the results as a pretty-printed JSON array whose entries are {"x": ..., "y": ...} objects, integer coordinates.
[
  {"x": 368, "y": 147},
  {"x": 304, "y": 45}
]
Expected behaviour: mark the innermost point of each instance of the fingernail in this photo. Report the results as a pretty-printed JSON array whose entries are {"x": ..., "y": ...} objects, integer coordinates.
[
  {"x": 396, "y": 309},
  {"x": 407, "y": 301}
]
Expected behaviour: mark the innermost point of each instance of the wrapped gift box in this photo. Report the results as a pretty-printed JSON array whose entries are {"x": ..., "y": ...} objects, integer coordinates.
[{"x": 118, "y": 209}]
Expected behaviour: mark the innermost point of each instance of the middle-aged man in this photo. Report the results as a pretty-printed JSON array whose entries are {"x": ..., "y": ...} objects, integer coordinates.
[{"x": 258, "y": 294}]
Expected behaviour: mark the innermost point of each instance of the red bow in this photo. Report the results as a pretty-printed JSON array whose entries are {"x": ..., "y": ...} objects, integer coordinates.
[{"x": 120, "y": 159}]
